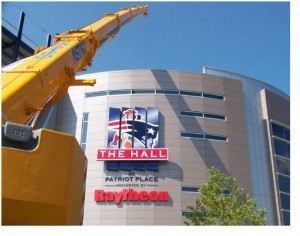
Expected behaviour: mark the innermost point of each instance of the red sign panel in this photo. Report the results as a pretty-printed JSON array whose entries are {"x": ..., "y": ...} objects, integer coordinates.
[{"x": 144, "y": 154}]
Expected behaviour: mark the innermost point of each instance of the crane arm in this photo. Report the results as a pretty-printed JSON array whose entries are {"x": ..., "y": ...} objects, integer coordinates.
[{"x": 47, "y": 75}]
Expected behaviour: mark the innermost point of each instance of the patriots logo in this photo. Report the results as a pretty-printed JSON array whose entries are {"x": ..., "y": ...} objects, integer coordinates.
[{"x": 133, "y": 129}]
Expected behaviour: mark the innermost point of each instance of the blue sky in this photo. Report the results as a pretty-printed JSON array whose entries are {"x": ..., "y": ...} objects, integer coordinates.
[{"x": 249, "y": 38}]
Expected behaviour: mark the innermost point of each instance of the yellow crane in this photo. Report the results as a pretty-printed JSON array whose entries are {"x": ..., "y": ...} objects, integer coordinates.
[{"x": 43, "y": 171}]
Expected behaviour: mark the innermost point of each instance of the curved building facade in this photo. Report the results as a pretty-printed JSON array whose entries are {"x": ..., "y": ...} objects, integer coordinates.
[{"x": 151, "y": 135}]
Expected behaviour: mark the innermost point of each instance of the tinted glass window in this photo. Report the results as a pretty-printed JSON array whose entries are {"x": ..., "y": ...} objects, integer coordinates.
[
  {"x": 190, "y": 189},
  {"x": 167, "y": 92},
  {"x": 284, "y": 184},
  {"x": 138, "y": 165},
  {"x": 285, "y": 201},
  {"x": 85, "y": 116},
  {"x": 184, "y": 213},
  {"x": 280, "y": 132},
  {"x": 215, "y": 137},
  {"x": 112, "y": 165},
  {"x": 213, "y": 96},
  {"x": 83, "y": 147},
  {"x": 287, "y": 134},
  {"x": 97, "y": 94},
  {"x": 118, "y": 92},
  {"x": 152, "y": 165},
  {"x": 286, "y": 217},
  {"x": 191, "y": 113},
  {"x": 143, "y": 91},
  {"x": 283, "y": 166},
  {"x": 190, "y": 93},
  {"x": 84, "y": 132},
  {"x": 214, "y": 116},
  {"x": 281, "y": 148},
  {"x": 192, "y": 135},
  {"x": 125, "y": 165},
  {"x": 84, "y": 129}
]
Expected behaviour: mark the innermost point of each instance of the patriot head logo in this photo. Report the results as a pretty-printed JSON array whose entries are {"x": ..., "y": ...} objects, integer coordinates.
[{"x": 133, "y": 128}]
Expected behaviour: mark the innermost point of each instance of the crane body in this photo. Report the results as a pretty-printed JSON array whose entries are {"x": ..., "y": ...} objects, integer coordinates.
[{"x": 43, "y": 171}]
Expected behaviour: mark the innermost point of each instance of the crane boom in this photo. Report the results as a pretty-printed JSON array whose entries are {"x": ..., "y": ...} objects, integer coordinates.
[
  {"x": 47, "y": 75},
  {"x": 44, "y": 171}
]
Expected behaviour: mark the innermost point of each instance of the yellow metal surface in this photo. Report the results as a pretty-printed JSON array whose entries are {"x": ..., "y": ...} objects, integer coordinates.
[{"x": 44, "y": 186}]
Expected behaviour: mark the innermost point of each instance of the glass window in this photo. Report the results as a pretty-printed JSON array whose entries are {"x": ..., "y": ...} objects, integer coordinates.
[
  {"x": 213, "y": 96},
  {"x": 214, "y": 116},
  {"x": 125, "y": 165},
  {"x": 281, "y": 148},
  {"x": 96, "y": 94},
  {"x": 284, "y": 184},
  {"x": 152, "y": 165},
  {"x": 215, "y": 137},
  {"x": 190, "y": 93},
  {"x": 287, "y": 134},
  {"x": 112, "y": 165},
  {"x": 119, "y": 92},
  {"x": 138, "y": 165},
  {"x": 190, "y": 189},
  {"x": 286, "y": 217},
  {"x": 280, "y": 132},
  {"x": 84, "y": 132},
  {"x": 171, "y": 92},
  {"x": 184, "y": 213},
  {"x": 84, "y": 129},
  {"x": 192, "y": 135},
  {"x": 285, "y": 201},
  {"x": 191, "y": 113},
  {"x": 85, "y": 116},
  {"x": 83, "y": 147},
  {"x": 283, "y": 166},
  {"x": 143, "y": 91}
]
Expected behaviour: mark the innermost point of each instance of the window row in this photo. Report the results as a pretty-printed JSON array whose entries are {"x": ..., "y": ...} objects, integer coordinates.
[
  {"x": 281, "y": 143},
  {"x": 196, "y": 190},
  {"x": 156, "y": 91},
  {"x": 131, "y": 165},
  {"x": 202, "y": 114},
  {"x": 204, "y": 136}
]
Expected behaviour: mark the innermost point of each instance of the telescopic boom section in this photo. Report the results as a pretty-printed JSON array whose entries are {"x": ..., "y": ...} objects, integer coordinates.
[{"x": 47, "y": 75}]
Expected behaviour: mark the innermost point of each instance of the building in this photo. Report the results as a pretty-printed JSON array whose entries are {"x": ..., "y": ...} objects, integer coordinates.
[
  {"x": 15, "y": 44},
  {"x": 215, "y": 118}
]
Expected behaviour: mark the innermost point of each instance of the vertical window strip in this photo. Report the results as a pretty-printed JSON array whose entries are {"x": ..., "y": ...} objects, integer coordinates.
[
  {"x": 281, "y": 144},
  {"x": 85, "y": 119}
]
